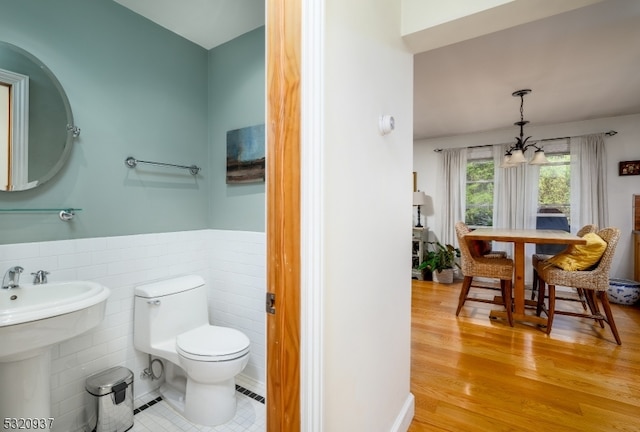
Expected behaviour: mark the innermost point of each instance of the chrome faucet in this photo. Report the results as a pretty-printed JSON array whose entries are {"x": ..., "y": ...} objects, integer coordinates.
[
  {"x": 12, "y": 277},
  {"x": 40, "y": 277}
]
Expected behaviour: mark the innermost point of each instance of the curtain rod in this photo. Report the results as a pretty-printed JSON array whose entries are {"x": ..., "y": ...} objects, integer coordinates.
[{"x": 610, "y": 133}]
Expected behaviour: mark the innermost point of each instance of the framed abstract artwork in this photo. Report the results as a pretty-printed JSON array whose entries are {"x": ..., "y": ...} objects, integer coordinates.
[{"x": 246, "y": 155}]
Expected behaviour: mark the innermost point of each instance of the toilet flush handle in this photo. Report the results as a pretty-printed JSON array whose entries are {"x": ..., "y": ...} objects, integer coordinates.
[{"x": 154, "y": 302}]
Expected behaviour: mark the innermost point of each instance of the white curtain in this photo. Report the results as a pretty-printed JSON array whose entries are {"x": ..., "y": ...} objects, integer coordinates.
[
  {"x": 515, "y": 202},
  {"x": 515, "y": 198},
  {"x": 452, "y": 171},
  {"x": 588, "y": 182}
]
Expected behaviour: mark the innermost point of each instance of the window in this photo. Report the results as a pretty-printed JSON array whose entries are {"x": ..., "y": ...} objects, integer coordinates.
[
  {"x": 554, "y": 186},
  {"x": 479, "y": 192}
]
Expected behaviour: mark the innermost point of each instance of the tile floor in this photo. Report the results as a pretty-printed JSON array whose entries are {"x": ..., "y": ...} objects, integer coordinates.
[{"x": 160, "y": 417}]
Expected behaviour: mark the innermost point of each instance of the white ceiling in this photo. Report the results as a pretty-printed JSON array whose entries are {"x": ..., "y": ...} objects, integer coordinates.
[
  {"x": 208, "y": 23},
  {"x": 580, "y": 65}
]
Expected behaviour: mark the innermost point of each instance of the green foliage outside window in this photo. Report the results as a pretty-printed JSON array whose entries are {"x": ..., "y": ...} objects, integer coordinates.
[
  {"x": 554, "y": 188},
  {"x": 479, "y": 200},
  {"x": 555, "y": 184}
]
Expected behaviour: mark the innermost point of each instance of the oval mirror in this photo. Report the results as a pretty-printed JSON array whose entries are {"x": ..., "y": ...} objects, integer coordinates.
[{"x": 36, "y": 123}]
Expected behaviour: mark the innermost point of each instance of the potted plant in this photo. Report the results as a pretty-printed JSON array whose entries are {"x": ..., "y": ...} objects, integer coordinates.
[{"x": 441, "y": 261}]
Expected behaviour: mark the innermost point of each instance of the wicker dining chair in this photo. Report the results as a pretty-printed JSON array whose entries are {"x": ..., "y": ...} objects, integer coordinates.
[
  {"x": 536, "y": 258},
  {"x": 464, "y": 229},
  {"x": 593, "y": 282},
  {"x": 480, "y": 266}
]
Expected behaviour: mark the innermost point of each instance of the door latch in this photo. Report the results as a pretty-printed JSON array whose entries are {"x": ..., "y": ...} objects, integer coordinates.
[{"x": 271, "y": 303}]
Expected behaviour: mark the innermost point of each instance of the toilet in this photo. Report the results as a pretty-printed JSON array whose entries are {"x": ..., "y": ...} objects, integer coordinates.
[{"x": 171, "y": 321}]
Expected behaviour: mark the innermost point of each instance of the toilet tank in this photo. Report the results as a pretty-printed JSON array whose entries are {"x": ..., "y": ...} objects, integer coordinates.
[{"x": 167, "y": 308}]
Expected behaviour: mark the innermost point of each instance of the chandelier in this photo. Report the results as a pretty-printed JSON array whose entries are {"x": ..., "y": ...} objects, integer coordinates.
[{"x": 515, "y": 155}]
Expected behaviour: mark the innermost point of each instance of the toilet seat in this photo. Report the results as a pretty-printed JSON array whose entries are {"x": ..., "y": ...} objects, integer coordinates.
[{"x": 212, "y": 344}]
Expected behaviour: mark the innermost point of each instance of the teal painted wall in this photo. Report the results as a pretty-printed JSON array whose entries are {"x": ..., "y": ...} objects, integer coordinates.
[
  {"x": 236, "y": 100},
  {"x": 137, "y": 89}
]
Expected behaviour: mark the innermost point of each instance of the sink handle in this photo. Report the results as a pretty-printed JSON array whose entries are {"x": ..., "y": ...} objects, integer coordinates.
[
  {"x": 154, "y": 302},
  {"x": 40, "y": 277}
]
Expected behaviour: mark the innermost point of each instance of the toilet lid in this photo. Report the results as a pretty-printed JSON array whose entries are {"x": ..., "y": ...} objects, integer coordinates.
[{"x": 212, "y": 343}]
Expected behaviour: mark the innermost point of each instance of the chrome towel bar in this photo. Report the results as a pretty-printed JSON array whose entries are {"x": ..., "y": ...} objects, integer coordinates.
[
  {"x": 131, "y": 162},
  {"x": 65, "y": 214}
]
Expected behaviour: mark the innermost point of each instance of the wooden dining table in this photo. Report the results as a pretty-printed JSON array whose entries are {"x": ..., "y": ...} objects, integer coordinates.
[{"x": 519, "y": 237}]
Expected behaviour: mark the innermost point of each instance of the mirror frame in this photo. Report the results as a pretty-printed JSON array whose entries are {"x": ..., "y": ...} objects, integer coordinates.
[{"x": 71, "y": 131}]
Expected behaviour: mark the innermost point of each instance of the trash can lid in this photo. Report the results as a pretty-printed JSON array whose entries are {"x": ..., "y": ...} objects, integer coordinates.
[{"x": 103, "y": 382}]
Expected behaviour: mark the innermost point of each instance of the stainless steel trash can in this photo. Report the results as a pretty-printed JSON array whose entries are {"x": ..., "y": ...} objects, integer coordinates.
[{"x": 110, "y": 400}]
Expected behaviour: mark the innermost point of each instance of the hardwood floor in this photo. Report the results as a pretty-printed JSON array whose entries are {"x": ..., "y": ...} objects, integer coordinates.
[{"x": 470, "y": 373}]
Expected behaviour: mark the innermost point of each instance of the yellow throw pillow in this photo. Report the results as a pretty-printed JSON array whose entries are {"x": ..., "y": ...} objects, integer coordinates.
[{"x": 580, "y": 257}]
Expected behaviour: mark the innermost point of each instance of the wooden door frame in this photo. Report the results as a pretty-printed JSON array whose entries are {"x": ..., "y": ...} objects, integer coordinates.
[
  {"x": 283, "y": 214},
  {"x": 295, "y": 208}
]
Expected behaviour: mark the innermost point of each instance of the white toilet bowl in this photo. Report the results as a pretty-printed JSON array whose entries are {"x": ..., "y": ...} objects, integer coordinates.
[
  {"x": 201, "y": 360},
  {"x": 211, "y": 357}
]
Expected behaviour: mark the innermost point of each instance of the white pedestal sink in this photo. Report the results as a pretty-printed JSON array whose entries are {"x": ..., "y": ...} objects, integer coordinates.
[{"x": 32, "y": 319}]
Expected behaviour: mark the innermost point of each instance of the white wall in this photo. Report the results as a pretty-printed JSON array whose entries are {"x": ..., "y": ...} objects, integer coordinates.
[
  {"x": 367, "y": 193},
  {"x": 420, "y": 14},
  {"x": 232, "y": 263},
  {"x": 430, "y": 24},
  {"x": 621, "y": 147},
  {"x": 237, "y": 264}
]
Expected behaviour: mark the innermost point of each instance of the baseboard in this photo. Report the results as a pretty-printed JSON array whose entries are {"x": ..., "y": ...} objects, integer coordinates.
[
  {"x": 145, "y": 398},
  {"x": 251, "y": 384},
  {"x": 403, "y": 421}
]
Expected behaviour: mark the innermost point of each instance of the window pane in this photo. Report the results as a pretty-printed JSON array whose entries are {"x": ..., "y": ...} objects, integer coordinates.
[
  {"x": 480, "y": 216},
  {"x": 555, "y": 184},
  {"x": 479, "y": 193},
  {"x": 480, "y": 170}
]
